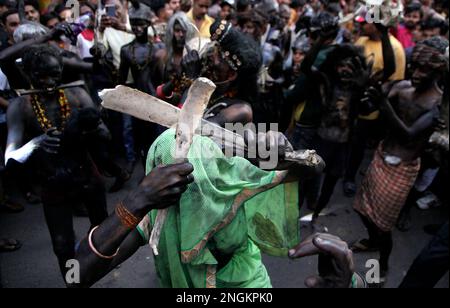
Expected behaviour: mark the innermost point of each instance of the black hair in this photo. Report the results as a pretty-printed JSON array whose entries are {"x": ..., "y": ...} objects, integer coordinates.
[
  {"x": 89, "y": 5},
  {"x": 33, "y": 58},
  {"x": 60, "y": 8},
  {"x": 414, "y": 7},
  {"x": 339, "y": 53},
  {"x": 47, "y": 17},
  {"x": 325, "y": 18},
  {"x": 8, "y": 13},
  {"x": 33, "y": 3},
  {"x": 437, "y": 43},
  {"x": 241, "y": 5},
  {"x": 433, "y": 23},
  {"x": 304, "y": 22},
  {"x": 248, "y": 52}
]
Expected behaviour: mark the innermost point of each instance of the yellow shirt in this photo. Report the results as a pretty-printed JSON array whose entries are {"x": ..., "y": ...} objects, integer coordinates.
[
  {"x": 206, "y": 24},
  {"x": 374, "y": 52}
]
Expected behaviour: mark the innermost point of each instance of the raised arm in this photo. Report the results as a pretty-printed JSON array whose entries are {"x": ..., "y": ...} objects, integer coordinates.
[
  {"x": 15, "y": 50},
  {"x": 425, "y": 121},
  {"x": 388, "y": 54}
]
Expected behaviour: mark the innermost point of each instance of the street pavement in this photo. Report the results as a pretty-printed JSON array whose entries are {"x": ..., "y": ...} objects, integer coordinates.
[{"x": 35, "y": 265}]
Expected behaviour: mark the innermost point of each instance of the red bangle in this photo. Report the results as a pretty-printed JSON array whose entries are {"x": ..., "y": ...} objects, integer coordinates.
[{"x": 160, "y": 93}]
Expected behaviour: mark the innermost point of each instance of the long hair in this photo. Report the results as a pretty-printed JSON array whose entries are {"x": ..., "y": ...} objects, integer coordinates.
[{"x": 185, "y": 23}]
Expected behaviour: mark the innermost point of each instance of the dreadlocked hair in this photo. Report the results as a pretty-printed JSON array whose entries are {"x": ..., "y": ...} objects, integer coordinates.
[
  {"x": 339, "y": 53},
  {"x": 425, "y": 55},
  {"x": 34, "y": 57}
]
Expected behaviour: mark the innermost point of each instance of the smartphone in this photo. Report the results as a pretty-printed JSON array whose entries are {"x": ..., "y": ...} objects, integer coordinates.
[{"x": 110, "y": 10}]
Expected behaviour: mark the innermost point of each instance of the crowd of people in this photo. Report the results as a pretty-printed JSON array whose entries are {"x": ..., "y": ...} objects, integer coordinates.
[{"x": 348, "y": 79}]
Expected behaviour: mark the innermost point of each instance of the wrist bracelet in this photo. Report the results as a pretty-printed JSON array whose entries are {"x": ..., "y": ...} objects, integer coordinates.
[
  {"x": 126, "y": 217},
  {"x": 94, "y": 250}
]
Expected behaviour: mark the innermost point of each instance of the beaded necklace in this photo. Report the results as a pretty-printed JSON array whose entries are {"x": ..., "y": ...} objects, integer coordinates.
[{"x": 40, "y": 112}]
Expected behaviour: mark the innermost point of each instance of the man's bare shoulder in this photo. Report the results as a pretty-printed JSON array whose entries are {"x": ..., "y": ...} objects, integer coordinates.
[
  {"x": 395, "y": 87},
  {"x": 21, "y": 103}
]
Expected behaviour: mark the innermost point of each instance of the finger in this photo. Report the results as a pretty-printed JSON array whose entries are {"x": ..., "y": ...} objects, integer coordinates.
[
  {"x": 183, "y": 168},
  {"x": 51, "y": 130},
  {"x": 249, "y": 136},
  {"x": 182, "y": 180},
  {"x": 50, "y": 151},
  {"x": 306, "y": 248},
  {"x": 53, "y": 140},
  {"x": 338, "y": 249}
]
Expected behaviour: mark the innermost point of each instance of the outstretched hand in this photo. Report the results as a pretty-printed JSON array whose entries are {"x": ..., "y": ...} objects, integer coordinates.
[
  {"x": 264, "y": 143},
  {"x": 336, "y": 265}
]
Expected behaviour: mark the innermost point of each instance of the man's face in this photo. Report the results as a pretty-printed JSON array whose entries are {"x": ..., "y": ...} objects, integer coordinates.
[
  {"x": 412, "y": 19},
  {"x": 31, "y": 13},
  {"x": 298, "y": 57},
  {"x": 52, "y": 23},
  {"x": 218, "y": 69},
  {"x": 200, "y": 8},
  {"x": 179, "y": 36},
  {"x": 422, "y": 77},
  {"x": 429, "y": 33},
  {"x": 225, "y": 11},
  {"x": 48, "y": 76},
  {"x": 175, "y": 5},
  {"x": 66, "y": 15},
  {"x": 344, "y": 70},
  {"x": 12, "y": 22},
  {"x": 249, "y": 28},
  {"x": 139, "y": 27}
]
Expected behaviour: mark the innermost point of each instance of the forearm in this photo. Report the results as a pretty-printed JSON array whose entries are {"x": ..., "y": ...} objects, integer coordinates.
[
  {"x": 16, "y": 49},
  {"x": 108, "y": 238},
  {"x": 308, "y": 62},
  {"x": 388, "y": 57},
  {"x": 21, "y": 154},
  {"x": 4, "y": 103},
  {"x": 78, "y": 65}
]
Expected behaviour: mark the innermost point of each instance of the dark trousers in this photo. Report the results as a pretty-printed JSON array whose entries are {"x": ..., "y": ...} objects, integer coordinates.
[
  {"x": 306, "y": 138},
  {"x": 381, "y": 239},
  {"x": 431, "y": 264}
]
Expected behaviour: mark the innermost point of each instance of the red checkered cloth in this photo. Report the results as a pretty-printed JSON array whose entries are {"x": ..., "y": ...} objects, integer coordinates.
[{"x": 384, "y": 190}]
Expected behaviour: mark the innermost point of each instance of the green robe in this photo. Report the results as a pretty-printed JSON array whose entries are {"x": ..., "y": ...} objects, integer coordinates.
[{"x": 231, "y": 208}]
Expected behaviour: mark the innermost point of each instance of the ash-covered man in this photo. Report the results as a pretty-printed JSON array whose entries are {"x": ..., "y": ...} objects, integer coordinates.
[
  {"x": 411, "y": 110},
  {"x": 48, "y": 131},
  {"x": 141, "y": 57}
]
